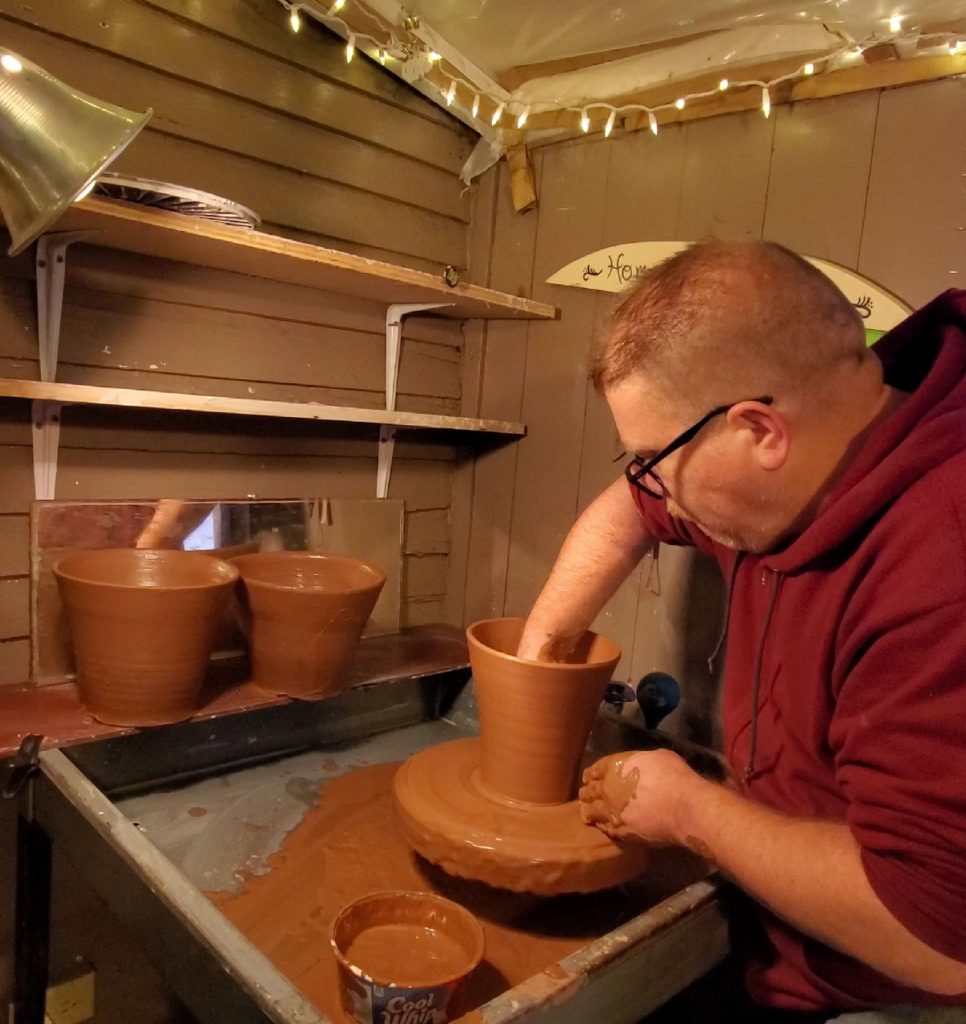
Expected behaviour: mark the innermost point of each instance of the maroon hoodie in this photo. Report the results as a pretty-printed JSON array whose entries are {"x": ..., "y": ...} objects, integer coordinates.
[{"x": 853, "y": 636}]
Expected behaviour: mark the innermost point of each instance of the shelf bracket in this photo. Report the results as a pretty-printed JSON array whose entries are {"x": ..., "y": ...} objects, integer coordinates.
[
  {"x": 387, "y": 433},
  {"x": 51, "y": 264}
]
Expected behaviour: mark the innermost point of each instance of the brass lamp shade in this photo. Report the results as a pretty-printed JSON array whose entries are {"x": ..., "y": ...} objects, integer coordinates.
[{"x": 54, "y": 141}]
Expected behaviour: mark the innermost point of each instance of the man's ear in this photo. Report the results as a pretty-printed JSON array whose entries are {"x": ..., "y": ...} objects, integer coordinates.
[{"x": 766, "y": 430}]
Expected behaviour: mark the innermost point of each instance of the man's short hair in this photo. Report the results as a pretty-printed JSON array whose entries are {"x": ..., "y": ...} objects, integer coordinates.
[{"x": 722, "y": 321}]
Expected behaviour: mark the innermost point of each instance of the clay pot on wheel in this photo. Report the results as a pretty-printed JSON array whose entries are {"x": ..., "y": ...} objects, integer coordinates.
[
  {"x": 305, "y": 613},
  {"x": 143, "y": 624},
  {"x": 535, "y": 716}
]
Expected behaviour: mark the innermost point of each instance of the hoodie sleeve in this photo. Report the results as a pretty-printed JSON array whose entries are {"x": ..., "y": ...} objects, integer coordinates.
[
  {"x": 664, "y": 527},
  {"x": 899, "y": 739}
]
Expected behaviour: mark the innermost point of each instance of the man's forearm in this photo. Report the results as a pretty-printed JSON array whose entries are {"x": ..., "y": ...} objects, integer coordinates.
[
  {"x": 810, "y": 873},
  {"x": 600, "y": 551}
]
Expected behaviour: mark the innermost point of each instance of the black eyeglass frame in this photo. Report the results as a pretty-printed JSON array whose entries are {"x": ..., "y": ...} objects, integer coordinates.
[{"x": 637, "y": 471}]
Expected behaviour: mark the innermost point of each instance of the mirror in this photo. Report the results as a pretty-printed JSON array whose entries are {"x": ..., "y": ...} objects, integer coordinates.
[{"x": 367, "y": 528}]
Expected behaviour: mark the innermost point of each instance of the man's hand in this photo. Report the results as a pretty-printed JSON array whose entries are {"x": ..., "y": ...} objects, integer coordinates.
[{"x": 641, "y": 794}]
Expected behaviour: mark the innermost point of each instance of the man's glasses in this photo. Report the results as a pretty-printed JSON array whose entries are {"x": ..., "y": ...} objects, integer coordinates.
[{"x": 640, "y": 472}]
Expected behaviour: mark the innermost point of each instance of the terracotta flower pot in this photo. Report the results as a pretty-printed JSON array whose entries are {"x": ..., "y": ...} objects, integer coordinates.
[
  {"x": 143, "y": 624},
  {"x": 305, "y": 615},
  {"x": 535, "y": 716}
]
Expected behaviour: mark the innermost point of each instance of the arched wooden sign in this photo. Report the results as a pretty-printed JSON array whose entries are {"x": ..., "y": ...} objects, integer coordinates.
[{"x": 617, "y": 267}]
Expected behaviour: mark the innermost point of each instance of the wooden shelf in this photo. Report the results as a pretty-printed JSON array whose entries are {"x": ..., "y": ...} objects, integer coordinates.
[
  {"x": 85, "y": 394},
  {"x": 203, "y": 243}
]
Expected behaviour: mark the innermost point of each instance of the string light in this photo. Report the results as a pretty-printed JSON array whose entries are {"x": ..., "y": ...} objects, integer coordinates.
[{"x": 407, "y": 50}]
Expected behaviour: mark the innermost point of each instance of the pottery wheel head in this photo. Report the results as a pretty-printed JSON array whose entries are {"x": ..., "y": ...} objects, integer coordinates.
[{"x": 450, "y": 819}]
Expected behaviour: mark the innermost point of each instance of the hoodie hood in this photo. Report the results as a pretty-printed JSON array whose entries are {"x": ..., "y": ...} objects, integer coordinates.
[{"x": 926, "y": 356}]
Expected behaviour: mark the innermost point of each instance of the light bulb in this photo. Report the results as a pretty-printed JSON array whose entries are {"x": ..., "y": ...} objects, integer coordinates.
[
  {"x": 765, "y": 101},
  {"x": 433, "y": 57},
  {"x": 652, "y": 122},
  {"x": 522, "y": 119},
  {"x": 809, "y": 69},
  {"x": 383, "y": 56},
  {"x": 679, "y": 102},
  {"x": 294, "y": 19},
  {"x": 337, "y": 5},
  {"x": 584, "y": 121},
  {"x": 723, "y": 84},
  {"x": 609, "y": 127},
  {"x": 451, "y": 93},
  {"x": 895, "y": 23},
  {"x": 350, "y": 49},
  {"x": 497, "y": 114},
  {"x": 10, "y": 63},
  {"x": 476, "y": 105}
]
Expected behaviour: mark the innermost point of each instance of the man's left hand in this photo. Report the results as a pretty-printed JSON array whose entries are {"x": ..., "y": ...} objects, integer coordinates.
[{"x": 639, "y": 794}]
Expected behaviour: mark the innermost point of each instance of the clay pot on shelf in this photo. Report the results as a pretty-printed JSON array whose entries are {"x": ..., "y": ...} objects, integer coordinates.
[
  {"x": 304, "y": 614},
  {"x": 143, "y": 624},
  {"x": 535, "y": 716}
]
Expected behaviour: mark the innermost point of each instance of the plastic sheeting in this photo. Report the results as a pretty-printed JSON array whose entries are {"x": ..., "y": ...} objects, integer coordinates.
[{"x": 500, "y": 34}]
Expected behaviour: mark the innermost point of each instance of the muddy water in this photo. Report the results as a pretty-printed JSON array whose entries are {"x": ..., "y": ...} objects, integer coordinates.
[
  {"x": 350, "y": 845},
  {"x": 407, "y": 954}
]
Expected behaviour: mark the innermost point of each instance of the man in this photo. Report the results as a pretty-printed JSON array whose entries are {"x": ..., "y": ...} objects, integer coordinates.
[{"x": 829, "y": 481}]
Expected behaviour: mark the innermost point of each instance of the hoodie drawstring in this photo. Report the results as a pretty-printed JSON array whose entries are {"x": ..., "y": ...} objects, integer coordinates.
[
  {"x": 756, "y": 688},
  {"x": 729, "y": 592}
]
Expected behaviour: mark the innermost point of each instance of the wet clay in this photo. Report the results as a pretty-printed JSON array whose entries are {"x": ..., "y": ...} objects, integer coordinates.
[
  {"x": 143, "y": 625},
  {"x": 535, "y": 717},
  {"x": 406, "y": 954},
  {"x": 501, "y": 809},
  {"x": 350, "y": 845},
  {"x": 304, "y": 614},
  {"x": 452, "y": 820}
]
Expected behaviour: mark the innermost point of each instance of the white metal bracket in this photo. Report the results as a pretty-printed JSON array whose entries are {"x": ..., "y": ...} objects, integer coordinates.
[
  {"x": 45, "y": 417},
  {"x": 387, "y": 433}
]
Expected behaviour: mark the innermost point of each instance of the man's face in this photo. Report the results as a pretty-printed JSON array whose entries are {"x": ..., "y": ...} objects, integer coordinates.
[{"x": 714, "y": 481}]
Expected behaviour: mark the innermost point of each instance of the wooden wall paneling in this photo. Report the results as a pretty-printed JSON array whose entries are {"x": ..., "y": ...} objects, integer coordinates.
[
  {"x": 572, "y": 197},
  {"x": 143, "y": 35},
  {"x": 14, "y": 542},
  {"x": 14, "y": 608},
  {"x": 913, "y": 240},
  {"x": 478, "y": 268},
  {"x": 820, "y": 164},
  {"x": 264, "y": 26},
  {"x": 222, "y": 122},
  {"x": 644, "y": 183},
  {"x": 725, "y": 177},
  {"x": 286, "y": 198},
  {"x": 428, "y": 532},
  {"x": 14, "y": 662},
  {"x": 501, "y": 392},
  {"x": 643, "y": 188}
]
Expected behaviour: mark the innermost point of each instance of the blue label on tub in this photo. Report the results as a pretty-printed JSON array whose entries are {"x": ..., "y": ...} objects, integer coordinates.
[{"x": 409, "y": 1005}]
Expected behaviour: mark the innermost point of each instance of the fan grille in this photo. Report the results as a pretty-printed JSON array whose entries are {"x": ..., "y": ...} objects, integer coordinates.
[{"x": 162, "y": 195}]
